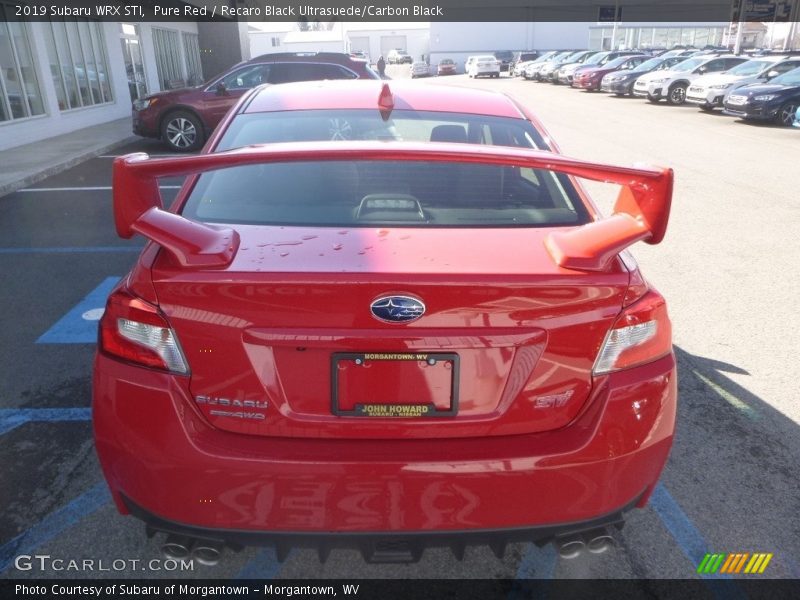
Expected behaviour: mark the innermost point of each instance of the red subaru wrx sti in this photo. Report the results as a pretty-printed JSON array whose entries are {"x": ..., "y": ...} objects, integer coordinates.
[{"x": 384, "y": 316}]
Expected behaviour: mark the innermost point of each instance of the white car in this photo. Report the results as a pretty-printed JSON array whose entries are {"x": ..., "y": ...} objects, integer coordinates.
[
  {"x": 485, "y": 64},
  {"x": 671, "y": 85},
  {"x": 519, "y": 68},
  {"x": 397, "y": 56},
  {"x": 547, "y": 72},
  {"x": 709, "y": 91},
  {"x": 420, "y": 69},
  {"x": 565, "y": 71},
  {"x": 533, "y": 71}
]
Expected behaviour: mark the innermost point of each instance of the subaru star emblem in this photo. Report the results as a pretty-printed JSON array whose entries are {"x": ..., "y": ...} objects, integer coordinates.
[{"x": 397, "y": 309}]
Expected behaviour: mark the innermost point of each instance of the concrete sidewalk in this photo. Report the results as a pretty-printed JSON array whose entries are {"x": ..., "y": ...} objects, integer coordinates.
[{"x": 25, "y": 165}]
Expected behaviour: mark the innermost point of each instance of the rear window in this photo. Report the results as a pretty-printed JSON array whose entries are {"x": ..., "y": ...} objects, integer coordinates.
[{"x": 383, "y": 193}]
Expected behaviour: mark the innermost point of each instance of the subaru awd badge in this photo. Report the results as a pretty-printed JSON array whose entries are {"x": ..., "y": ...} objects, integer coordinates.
[{"x": 397, "y": 309}]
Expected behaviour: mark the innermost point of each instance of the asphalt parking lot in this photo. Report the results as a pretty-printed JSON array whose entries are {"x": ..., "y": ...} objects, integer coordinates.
[{"x": 727, "y": 268}]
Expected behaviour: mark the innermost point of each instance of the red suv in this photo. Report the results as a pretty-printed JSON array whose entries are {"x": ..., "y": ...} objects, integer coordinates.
[{"x": 185, "y": 118}]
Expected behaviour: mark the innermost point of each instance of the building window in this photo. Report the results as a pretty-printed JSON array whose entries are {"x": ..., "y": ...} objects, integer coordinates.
[
  {"x": 168, "y": 58},
  {"x": 20, "y": 94},
  {"x": 191, "y": 50},
  {"x": 654, "y": 37},
  {"x": 76, "y": 51},
  {"x": 132, "y": 55},
  {"x": 276, "y": 41}
]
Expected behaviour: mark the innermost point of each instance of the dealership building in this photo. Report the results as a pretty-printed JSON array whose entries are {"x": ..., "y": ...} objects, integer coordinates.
[
  {"x": 457, "y": 41},
  {"x": 61, "y": 76},
  {"x": 57, "y": 77}
]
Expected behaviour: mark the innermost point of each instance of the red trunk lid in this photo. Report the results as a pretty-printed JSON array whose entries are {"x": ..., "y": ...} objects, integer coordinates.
[{"x": 506, "y": 344}]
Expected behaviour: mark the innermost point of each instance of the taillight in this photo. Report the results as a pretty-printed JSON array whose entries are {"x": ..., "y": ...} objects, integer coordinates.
[
  {"x": 641, "y": 334},
  {"x": 136, "y": 331}
]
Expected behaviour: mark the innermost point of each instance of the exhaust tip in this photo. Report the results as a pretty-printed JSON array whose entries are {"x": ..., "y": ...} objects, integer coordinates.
[
  {"x": 569, "y": 548},
  {"x": 177, "y": 547},
  {"x": 598, "y": 540},
  {"x": 207, "y": 553}
]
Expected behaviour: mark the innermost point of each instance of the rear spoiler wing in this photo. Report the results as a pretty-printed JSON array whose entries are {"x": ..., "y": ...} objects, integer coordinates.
[{"x": 641, "y": 211}]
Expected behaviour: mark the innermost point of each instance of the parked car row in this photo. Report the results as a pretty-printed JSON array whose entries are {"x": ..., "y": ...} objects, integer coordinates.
[{"x": 761, "y": 87}]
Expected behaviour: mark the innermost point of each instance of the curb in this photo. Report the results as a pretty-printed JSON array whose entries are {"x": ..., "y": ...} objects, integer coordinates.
[{"x": 50, "y": 170}]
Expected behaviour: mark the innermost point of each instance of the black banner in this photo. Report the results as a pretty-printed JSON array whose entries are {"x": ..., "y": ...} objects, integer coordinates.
[
  {"x": 375, "y": 10},
  {"x": 398, "y": 589}
]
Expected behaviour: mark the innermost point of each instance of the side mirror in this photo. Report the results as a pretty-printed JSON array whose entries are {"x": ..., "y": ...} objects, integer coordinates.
[
  {"x": 221, "y": 89},
  {"x": 702, "y": 69},
  {"x": 771, "y": 75}
]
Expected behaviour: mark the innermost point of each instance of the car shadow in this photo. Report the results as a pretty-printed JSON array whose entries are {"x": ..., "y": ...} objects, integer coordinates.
[
  {"x": 735, "y": 463},
  {"x": 763, "y": 124}
]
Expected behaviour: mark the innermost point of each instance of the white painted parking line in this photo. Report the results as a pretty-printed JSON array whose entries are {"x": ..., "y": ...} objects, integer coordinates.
[{"x": 88, "y": 189}]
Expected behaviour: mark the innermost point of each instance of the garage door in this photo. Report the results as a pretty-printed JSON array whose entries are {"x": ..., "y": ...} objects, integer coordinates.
[
  {"x": 392, "y": 41},
  {"x": 359, "y": 44}
]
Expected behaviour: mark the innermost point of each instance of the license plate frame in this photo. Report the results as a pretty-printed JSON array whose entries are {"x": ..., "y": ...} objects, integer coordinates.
[{"x": 397, "y": 410}]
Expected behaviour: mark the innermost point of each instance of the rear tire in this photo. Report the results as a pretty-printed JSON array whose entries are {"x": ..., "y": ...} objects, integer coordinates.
[{"x": 182, "y": 131}]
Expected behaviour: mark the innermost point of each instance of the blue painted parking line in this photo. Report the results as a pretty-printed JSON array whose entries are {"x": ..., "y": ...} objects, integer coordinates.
[
  {"x": 79, "y": 325},
  {"x": 536, "y": 563},
  {"x": 11, "y": 418},
  {"x": 70, "y": 249},
  {"x": 263, "y": 565},
  {"x": 680, "y": 527},
  {"x": 54, "y": 524},
  {"x": 691, "y": 542}
]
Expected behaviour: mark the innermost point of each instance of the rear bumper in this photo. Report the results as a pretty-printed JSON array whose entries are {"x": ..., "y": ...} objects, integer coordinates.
[
  {"x": 384, "y": 546},
  {"x": 158, "y": 452}
]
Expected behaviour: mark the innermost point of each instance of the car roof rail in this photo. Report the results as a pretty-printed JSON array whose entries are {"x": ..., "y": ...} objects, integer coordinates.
[{"x": 320, "y": 55}]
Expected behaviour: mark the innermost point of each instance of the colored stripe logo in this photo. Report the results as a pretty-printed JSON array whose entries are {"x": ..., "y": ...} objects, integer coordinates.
[{"x": 735, "y": 562}]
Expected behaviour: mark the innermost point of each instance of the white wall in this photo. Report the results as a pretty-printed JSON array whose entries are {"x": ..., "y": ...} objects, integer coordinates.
[
  {"x": 261, "y": 42},
  {"x": 417, "y": 40},
  {"x": 460, "y": 40}
]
